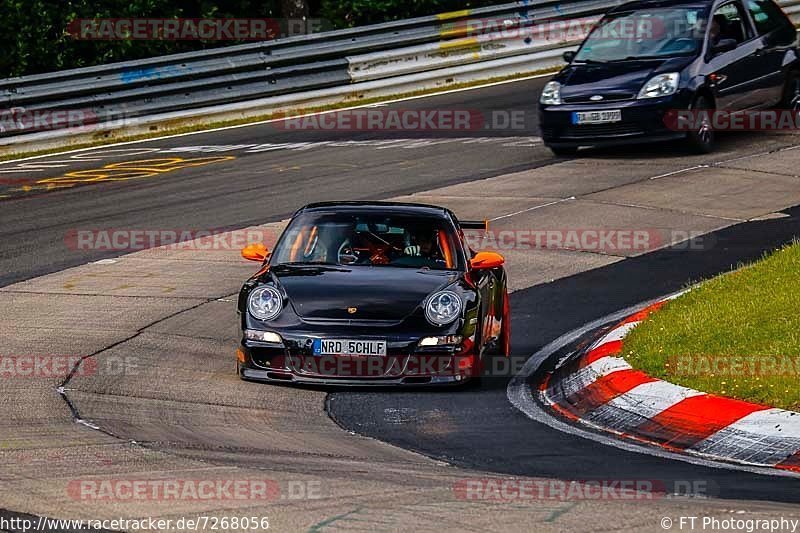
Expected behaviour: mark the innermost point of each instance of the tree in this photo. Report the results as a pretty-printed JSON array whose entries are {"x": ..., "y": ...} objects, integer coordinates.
[{"x": 295, "y": 9}]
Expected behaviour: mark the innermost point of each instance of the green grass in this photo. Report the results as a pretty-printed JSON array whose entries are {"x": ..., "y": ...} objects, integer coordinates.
[{"x": 737, "y": 335}]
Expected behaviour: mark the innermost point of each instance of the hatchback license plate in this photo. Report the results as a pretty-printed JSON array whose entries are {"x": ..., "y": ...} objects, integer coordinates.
[
  {"x": 597, "y": 117},
  {"x": 349, "y": 347}
]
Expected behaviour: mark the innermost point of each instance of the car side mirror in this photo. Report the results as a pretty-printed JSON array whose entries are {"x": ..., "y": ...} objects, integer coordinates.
[
  {"x": 569, "y": 56},
  {"x": 487, "y": 261},
  {"x": 255, "y": 252},
  {"x": 724, "y": 45}
]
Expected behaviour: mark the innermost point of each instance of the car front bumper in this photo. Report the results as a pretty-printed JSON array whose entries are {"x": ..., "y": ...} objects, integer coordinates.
[
  {"x": 642, "y": 121},
  {"x": 404, "y": 365},
  {"x": 266, "y": 376}
]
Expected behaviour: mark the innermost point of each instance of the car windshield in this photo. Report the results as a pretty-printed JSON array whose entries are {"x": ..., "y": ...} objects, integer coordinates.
[
  {"x": 347, "y": 239},
  {"x": 644, "y": 34}
]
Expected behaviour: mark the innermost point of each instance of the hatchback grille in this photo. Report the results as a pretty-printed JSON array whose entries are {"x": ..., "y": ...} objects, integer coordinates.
[
  {"x": 599, "y": 130},
  {"x": 609, "y": 97}
]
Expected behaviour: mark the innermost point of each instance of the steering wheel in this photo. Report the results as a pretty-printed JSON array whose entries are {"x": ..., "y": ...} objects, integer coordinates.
[
  {"x": 682, "y": 43},
  {"x": 347, "y": 255},
  {"x": 308, "y": 252}
]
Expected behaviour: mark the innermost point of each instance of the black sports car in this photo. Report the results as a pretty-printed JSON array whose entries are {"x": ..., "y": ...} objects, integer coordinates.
[{"x": 372, "y": 294}]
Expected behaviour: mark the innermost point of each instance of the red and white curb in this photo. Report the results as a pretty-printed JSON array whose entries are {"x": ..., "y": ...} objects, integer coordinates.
[{"x": 596, "y": 387}]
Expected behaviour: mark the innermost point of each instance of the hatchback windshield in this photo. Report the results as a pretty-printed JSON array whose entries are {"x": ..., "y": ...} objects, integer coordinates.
[
  {"x": 368, "y": 239},
  {"x": 643, "y": 34}
]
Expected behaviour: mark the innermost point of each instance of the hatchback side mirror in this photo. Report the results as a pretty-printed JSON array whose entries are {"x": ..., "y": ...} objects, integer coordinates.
[
  {"x": 569, "y": 56},
  {"x": 487, "y": 261},
  {"x": 724, "y": 45},
  {"x": 255, "y": 252}
]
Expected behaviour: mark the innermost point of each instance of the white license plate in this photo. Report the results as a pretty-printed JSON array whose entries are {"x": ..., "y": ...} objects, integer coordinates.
[
  {"x": 349, "y": 347},
  {"x": 597, "y": 117}
]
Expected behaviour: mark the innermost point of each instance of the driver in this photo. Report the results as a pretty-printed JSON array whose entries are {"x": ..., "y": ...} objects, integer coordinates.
[
  {"x": 423, "y": 247},
  {"x": 715, "y": 32}
]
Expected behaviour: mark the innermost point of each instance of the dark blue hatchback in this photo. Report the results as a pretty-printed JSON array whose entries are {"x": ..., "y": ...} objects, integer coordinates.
[{"x": 646, "y": 61}]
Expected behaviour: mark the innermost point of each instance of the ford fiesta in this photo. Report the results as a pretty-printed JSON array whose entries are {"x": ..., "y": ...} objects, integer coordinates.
[
  {"x": 372, "y": 294},
  {"x": 647, "y": 60}
]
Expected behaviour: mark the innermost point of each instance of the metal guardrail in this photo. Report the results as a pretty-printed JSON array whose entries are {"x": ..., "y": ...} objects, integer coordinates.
[
  {"x": 121, "y": 91},
  {"x": 319, "y": 67}
]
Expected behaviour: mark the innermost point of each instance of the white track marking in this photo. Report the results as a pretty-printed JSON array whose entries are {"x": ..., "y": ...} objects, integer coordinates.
[
  {"x": 617, "y": 334},
  {"x": 590, "y": 373},
  {"x": 768, "y": 436},
  {"x": 225, "y": 128},
  {"x": 534, "y": 208},
  {"x": 650, "y": 399}
]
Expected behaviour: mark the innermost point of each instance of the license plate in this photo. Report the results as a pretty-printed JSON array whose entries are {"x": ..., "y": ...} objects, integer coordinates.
[
  {"x": 597, "y": 117},
  {"x": 349, "y": 347}
]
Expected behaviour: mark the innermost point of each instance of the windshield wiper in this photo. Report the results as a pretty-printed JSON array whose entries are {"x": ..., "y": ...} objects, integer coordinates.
[
  {"x": 637, "y": 58},
  {"x": 591, "y": 61},
  {"x": 307, "y": 264}
]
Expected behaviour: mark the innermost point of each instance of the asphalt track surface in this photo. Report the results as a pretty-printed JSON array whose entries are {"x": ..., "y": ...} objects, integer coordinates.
[
  {"x": 546, "y": 452},
  {"x": 475, "y": 428},
  {"x": 263, "y": 186}
]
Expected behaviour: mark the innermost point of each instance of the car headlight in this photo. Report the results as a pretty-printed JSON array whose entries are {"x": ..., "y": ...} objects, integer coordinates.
[
  {"x": 660, "y": 85},
  {"x": 263, "y": 336},
  {"x": 443, "y": 308},
  {"x": 265, "y": 303},
  {"x": 551, "y": 95}
]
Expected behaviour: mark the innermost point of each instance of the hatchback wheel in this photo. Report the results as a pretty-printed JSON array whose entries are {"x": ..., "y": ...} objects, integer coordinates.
[
  {"x": 701, "y": 138},
  {"x": 791, "y": 93}
]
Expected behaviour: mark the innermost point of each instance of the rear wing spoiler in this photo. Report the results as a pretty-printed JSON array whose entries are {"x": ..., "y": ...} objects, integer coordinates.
[{"x": 474, "y": 224}]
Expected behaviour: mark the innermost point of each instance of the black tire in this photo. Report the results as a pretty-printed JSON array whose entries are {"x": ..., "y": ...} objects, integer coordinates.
[
  {"x": 505, "y": 334},
  {"x": 701, "y": 141},
  {"x": 564, "y": 151},
  {"x": 791, "y": 93}
]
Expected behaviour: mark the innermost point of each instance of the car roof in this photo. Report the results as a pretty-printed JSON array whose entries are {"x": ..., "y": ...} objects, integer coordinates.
[
  {"x": 654, "y": 4},
  {"x": 399, "y": 208}
]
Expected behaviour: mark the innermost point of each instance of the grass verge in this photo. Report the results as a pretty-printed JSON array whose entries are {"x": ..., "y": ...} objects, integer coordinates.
[{"x": 737, "y": 335}]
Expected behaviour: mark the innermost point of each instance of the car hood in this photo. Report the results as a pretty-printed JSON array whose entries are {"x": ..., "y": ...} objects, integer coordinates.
[
  {"x": 378, "y": 293},
  {"x": 616, "y": 80}
]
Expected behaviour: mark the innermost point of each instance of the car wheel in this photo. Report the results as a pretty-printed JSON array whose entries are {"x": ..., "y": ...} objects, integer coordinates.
[
  {"x": 791, "y": 93},
  {"x": 701, "y": 139},
  {"x": 564, "y": 151}
]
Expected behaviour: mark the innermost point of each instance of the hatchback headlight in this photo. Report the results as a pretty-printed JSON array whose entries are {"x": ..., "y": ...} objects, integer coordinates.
[
  {"x": 660, "y": 85},
  {"x": 551, "y": 95},
  {"x": 443, "y": 308},
  {"x": 265, "y": 303}
]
